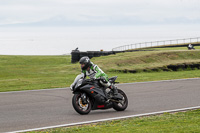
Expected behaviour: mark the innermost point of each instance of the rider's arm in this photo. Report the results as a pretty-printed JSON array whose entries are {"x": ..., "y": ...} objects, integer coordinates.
[{"x": 99, "y": 72}]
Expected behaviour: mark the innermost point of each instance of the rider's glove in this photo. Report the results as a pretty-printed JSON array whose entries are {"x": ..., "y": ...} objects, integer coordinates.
[
  {"x": 93, "y": 79},
  {"x": 103, "y": 79}
]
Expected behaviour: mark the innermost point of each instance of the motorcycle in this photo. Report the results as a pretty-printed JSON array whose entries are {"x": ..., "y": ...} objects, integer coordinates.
[{"x": 91, "y": 95}]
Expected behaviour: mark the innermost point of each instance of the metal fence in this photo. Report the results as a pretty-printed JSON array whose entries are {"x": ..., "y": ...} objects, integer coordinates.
[{"x": 157, "y": 43}]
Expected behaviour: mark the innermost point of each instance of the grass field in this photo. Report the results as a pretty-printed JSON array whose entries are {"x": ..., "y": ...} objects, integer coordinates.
[
  {"x": 146, "y": 59},
  {"x": 182, "y": 122},
  {"x": 35, "y": 72},
  {"x": 41, "y": 72}
]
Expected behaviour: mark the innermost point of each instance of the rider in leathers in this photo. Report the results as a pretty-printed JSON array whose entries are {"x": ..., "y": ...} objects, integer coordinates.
[{"x": 94, "y": 72}]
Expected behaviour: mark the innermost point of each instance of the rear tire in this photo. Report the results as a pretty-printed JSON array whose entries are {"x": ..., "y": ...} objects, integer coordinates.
[
  {"x": 124, "y": 102},
  {"x": 81, "y": 108}
]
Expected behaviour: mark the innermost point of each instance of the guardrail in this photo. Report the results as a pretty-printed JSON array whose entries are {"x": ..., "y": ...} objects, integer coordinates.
[{"x": 157, "y": 43}]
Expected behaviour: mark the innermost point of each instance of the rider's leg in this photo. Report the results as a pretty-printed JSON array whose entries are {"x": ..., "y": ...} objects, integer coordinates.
[{"x": 109, "y": 85}]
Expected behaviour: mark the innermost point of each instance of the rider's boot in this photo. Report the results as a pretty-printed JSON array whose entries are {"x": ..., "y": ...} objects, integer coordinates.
[{"x": 115, "y": 92}]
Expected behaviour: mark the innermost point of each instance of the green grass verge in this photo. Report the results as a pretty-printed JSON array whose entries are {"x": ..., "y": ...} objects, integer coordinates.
[
  {"x": 181, "y": 122},
  {"x": 177, "y": 48},
  {"x": 41, "y": 72},
  {"x": 155, "y": 76},
  {"x": 35, "y": 72},
  {"x": 44, "y": 82},
  {"x": 147, "y": 59}
]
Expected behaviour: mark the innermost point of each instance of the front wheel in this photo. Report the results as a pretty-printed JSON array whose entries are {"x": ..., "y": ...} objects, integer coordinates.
[
  {"x": 78, "y": 105},
  {"x": 122, "y": 104}
]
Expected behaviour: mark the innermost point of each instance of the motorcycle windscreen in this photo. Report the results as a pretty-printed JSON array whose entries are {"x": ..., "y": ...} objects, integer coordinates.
[{"x": 80, "y": 76}]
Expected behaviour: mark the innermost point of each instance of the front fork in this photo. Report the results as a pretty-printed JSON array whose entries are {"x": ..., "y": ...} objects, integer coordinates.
[{"x": 84, "y": 98}]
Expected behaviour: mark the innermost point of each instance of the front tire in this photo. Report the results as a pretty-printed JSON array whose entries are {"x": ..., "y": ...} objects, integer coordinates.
[
  {"x": 81, "y": 108},
  {"x": 123, "y": 103}
]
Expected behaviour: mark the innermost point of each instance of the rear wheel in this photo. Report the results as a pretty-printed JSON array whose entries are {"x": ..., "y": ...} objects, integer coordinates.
[
  {"x": 78, "y": 105},
  {"x": 122, "y": 104}
]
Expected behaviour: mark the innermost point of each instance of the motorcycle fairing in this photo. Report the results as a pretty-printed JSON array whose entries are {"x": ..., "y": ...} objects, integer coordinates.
[{"x": 96, "y": 93}]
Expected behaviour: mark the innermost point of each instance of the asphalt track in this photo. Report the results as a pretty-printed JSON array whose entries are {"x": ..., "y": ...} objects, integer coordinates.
[{"x": 43, "y": 108}]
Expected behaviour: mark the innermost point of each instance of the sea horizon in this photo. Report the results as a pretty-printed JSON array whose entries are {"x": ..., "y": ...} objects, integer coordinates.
[{"x": 62, "y": 40}]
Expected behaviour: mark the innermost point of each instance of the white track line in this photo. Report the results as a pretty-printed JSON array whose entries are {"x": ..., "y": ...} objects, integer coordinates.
[
  {"x": 117, "y": 84},
  {"x": 108, "y": 119}
]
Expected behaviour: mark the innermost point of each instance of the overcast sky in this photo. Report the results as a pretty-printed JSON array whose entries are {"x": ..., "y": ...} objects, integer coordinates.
[
  {"x": 98, "y": 12},
  {"x": 50, "y": 27}
]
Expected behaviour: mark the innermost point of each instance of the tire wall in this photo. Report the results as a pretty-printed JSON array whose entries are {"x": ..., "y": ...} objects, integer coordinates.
[{"x": 76, "y": 55}]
